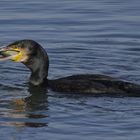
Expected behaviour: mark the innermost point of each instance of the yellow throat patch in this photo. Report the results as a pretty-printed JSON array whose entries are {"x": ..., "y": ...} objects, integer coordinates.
[{"x": 20, "y": 57}]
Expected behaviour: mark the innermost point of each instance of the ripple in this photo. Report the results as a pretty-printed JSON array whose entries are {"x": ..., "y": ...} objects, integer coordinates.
[{"x": 80, "y": 37}]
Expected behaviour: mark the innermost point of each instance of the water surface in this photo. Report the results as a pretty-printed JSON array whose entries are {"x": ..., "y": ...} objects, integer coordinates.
[{"x": 80, "y": 36}]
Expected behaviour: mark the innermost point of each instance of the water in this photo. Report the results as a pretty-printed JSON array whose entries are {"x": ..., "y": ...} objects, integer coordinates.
[{"x": 80, "y": 36}]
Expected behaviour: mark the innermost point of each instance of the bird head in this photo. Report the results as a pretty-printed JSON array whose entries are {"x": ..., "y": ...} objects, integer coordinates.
[{"x": 31, "y": 54}]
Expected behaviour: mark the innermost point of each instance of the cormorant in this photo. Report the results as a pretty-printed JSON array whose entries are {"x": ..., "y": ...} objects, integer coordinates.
[{"x": 34, "y": 56}]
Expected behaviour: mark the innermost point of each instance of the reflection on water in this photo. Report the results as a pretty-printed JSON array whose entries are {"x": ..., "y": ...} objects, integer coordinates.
[{"x": 28, "y": 111}]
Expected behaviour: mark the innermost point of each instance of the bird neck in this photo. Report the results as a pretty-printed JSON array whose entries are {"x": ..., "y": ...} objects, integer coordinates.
[
  {"x": 38, "y": 76},
  {"x": 38, "y": 66}
]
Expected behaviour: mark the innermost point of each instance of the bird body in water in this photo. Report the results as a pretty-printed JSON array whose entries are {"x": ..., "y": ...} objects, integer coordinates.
[{"x": 34, "y": 56}]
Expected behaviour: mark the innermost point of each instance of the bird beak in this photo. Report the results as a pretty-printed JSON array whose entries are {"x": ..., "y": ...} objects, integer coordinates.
[
  {"x": 12, "y": 53},
  {"x": 7, "y": 53}
]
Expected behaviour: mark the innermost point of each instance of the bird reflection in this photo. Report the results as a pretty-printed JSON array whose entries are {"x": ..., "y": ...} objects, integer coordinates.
[
  {"x": 31, "y": 109},
  {"x": 38, "y": 99}
]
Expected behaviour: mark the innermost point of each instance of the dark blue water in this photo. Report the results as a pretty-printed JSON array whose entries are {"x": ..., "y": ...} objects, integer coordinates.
[{"x": 80, "y": 36}]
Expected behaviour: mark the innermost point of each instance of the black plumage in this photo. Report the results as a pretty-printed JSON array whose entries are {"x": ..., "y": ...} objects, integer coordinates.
[{"x": 36, "y": 59}]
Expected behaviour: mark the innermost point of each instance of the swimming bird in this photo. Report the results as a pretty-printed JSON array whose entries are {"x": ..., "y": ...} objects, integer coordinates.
[{"x": 34, "y": 57}]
